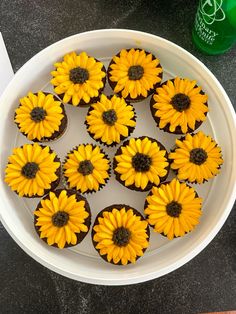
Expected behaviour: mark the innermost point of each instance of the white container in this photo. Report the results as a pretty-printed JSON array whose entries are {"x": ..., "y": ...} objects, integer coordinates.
[{"x": 163, "y": 256}]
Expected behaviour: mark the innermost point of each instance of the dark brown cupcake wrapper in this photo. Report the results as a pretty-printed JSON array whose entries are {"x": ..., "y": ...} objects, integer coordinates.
[
  {"x": 167, "y": 127},
  {"x": 130, "y": 128},
  {"x": 80, "y": 235},
  {"x": 65, "y": 180},
  {"x": 57, "y": 134},
  {"x": 54, "y": 184},
  {"x": 149, "y": 185},
  {"x": 82, "y": 103},
  {"x": 109, "y": 209},
  {"x": 146, "y": 205},
  {"x": 139, "y": 98}
]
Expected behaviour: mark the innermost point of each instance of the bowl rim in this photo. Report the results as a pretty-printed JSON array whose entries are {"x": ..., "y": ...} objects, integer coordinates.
[{"x": 229, "y": 196}]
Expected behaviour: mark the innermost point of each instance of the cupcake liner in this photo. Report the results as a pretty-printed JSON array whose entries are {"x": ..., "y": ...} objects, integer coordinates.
[
  {"x": 139, "y": 98},
  {"x": 57, "y": 134},
  {"x": 130, "y": 128},
  {"x": 65, "y": 180},
  {"x": 149, "y": 185},
  {"x": 109, "y": 209},
  {"x": 178, "y": 130},
  {"x": 80, "y": 235}
]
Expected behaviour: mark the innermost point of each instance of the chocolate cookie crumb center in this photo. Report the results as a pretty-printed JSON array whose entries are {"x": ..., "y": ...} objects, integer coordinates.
[
  {"x": 135, "y": 72},
  {"x": 29, "y": 170},
  {"x": 198, "y": 156},
  {"x": 121, "y": 236},
  {"x": 174, "y": 209},
  {"x": 60, "y": 218},
  {"x": 141, "y": 162},
  {"x": 38, "y": 114},
  {"x": 109, "y": 117},
  {"x": 79, "y": 75},
  {"x": 180, "y": 102},
  {"x": 85, "y": 167}
]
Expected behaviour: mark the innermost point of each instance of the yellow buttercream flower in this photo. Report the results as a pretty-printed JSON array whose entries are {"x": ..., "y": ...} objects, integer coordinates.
[
  {"x": 134, "y": 73},
  {"x": 120, "y": 234},
  {"x": 196, "y": 158},
  {"x": 62, "y": 218},
  {"x": 32, "y": 170},
  {"x": 140, "y": 163},
  {"x": 39, "y": 116},
  {"x": 110, "y": 120},
  {"x": 78, "y": 79},
  {"x": 86, "y": 168},
  {"x": 179, "y": 106},
  {"x": 173, "y": 209}
]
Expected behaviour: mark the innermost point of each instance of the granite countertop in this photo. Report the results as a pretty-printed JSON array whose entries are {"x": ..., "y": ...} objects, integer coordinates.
[{"x": 205, "y": 284}]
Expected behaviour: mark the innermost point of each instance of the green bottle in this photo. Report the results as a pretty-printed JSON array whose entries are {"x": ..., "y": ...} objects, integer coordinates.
[{"x": 214, "y": 30}]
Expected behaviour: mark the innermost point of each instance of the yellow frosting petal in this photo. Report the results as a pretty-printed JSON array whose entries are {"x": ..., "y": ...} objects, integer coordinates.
[
  {"x": 119, "y": 73},
  {"x": 108, "y": 224},
  {"x": 99, "y": 166},
  {"x": 76, "y": 93},
  {"x": 186, "y": 168},
  {"x": 158, "y": 163},
  {"x": 38, "y": 182},
  {"x": 173, "y": 222}
]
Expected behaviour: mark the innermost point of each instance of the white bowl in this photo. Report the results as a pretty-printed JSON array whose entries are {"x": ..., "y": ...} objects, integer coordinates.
[{"x": 163, "y": 256}]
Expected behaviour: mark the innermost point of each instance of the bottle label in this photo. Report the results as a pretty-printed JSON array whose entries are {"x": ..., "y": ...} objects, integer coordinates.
[{"x": 209, "y": 11}]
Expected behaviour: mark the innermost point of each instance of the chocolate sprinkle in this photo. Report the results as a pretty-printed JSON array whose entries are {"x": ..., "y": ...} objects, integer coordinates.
[
  {"x": 60, "y": 218},
  {"x": 29, "y": 170},
  {"x": 135, "y": 72},
  {"x": 121, "y": 236},
  {"x": 180, "y": 102},
  {"x": 38, "y": 114},
  {"x": 85, "y": 167},
  {"x": 109, "y": 117},
  {"x": 198, "y": 156},
  {"x": 174, "y": 209},
  {"x": 79, "y": 75},
  {"x": 141, "y": 162}
]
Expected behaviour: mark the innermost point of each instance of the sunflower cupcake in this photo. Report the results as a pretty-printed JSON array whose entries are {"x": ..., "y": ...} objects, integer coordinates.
[
  {"x": 173, "y": 209},
  {"x": 86, "y": 168},
  {"x": 134, "y": 74},
  {"x": 79, "y": 79},
  {"x": 120, "y": 234},
  {"x": 140, "y": 163},
  {"x": 179, "y": 106},
  {"x": 110, "y": 120},
  {"x": 33, "y": 170},
  {"x": 41, "y": 117},
  {"x": 62, "y": 218},
  {"x": 196, "y": 158}
]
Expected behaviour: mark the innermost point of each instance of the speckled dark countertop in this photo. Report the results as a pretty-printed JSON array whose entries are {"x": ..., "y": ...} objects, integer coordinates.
[{"x": 208, "y": 282}]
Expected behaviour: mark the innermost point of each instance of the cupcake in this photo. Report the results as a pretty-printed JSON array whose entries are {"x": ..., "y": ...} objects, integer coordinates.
[
  {"x": 173, "y": 209},
  {"x": 62, "y": 218},
  {"x": 110, "y": 120},
  {"x": 79, "y": 79},
  {"x": 196, "y": 158},
  {"x": 33, "y": 170},
  {"x": 179, "y": 106},
  {"x": 134, "y": 74},
  {"x": 86, "y": 168},
  {"x": 120, "y": 234},
  {"x": 140, "y": 163},
  {"x": 41, "y": 117}
]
